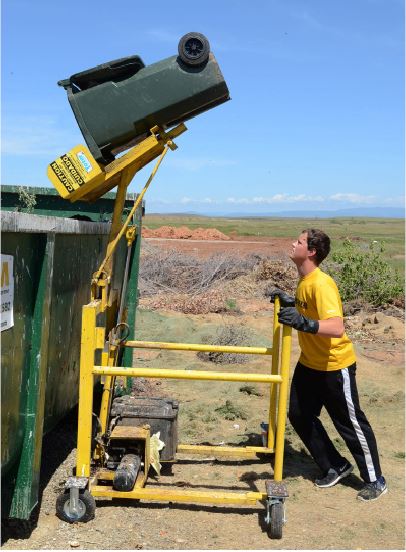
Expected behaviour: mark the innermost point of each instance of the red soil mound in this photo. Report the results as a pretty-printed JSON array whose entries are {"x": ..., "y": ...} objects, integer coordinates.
[{"x": 184, "y": 233}]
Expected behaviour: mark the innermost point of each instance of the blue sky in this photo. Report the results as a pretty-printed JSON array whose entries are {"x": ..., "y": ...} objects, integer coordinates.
[{"x": 316, "y": 119}]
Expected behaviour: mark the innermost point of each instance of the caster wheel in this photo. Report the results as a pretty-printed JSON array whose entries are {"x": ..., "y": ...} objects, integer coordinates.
[
  {"x": 194, "y": 49},
  {"x": 276, "y": 523},
  {"x": 85, "y": 511}
]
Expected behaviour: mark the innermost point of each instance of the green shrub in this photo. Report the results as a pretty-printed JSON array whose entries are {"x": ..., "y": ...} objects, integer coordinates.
[
  {"x": 229, "y": 335},
  {"x": 364, "y": 275},
  {"x": 230, "y": 411},
  {"x": 231, "y": 305},
  {"x": 250, "y": 390},
  {"x": 27, "y": 201}
]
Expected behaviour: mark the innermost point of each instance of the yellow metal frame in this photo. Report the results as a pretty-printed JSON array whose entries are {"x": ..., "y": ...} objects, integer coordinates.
[
  {"x": 76, "y": 183},
  {"x": 279, "y": 377},
  {"x": 96, "y": 337}
]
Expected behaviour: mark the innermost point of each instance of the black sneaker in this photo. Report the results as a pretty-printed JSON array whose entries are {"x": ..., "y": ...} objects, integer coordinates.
[
  {"x": 334, "y": 475},
  {"x": 372, "y": 491}
]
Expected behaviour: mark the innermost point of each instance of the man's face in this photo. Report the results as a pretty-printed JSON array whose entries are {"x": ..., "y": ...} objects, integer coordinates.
[{"x": 299, "y": 251}]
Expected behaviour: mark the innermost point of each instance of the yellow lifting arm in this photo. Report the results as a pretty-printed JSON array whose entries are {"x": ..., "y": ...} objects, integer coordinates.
[{"x": 77, "y": 175}]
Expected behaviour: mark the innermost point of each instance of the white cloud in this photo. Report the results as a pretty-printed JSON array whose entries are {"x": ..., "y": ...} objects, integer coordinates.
[
  {"x": 198, "y": 163},
  {"x": 336, "y": 200},
  {"x": 33, "y": 135},
  {"x": 355, "y": 198},
  {"x": 226, "y": 42},
  {"x": 308, "y": 19},
  {"x": 314, "y": 24},
  {"x": 277, "y": 198},
  {"x": 163, "y": 36},
  {"x": 359, "y": 199},
  {"x": 205, "y": 200}
]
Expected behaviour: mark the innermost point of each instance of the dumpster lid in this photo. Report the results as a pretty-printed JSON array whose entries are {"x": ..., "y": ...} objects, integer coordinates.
[{"x": 116, "y": 70}]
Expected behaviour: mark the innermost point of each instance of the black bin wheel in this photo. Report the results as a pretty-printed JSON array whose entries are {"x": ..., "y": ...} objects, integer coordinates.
[
  {"x": 86, "y": 507},
  {"x": 276, "y": 524},
  {"x": 194, "y": 49}
]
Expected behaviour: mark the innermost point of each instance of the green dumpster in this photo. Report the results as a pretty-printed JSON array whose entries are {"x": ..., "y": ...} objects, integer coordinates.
[
  {"x": 117, "y": 103},
  {"x": 47, "y": 264}
]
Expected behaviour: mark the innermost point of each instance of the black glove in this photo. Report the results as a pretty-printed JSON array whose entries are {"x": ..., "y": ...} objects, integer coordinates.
[
  {"x": 289, "y": 316},
  {"x": 285, "y": 299}
]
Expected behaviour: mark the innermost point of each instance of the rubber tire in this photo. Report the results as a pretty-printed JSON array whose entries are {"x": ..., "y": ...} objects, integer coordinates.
[
  {"x": 202, "y": 56},
  {"x": 87, "y": 500},
  {"x": 276, "y": 525}
]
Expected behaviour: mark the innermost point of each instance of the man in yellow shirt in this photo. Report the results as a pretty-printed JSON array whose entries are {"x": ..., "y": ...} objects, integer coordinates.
[{"x": 325, "y": 373}]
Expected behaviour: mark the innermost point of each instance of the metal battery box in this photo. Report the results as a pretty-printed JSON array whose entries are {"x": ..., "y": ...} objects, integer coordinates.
[{"x": 161, "y": 414}]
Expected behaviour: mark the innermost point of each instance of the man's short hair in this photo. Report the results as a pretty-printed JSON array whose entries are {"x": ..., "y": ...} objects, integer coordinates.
[{"x": 319, "y": 242}]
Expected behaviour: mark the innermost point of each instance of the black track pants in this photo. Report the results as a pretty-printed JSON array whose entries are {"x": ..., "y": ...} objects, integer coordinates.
[{"x": 337, "y": 392}]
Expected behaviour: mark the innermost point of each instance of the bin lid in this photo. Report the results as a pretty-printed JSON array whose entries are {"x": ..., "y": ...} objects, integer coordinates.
[{"x": 116, "y": 70}]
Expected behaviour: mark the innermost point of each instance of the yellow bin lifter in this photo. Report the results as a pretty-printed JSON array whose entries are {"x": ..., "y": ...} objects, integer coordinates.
[{"x": 77, "y": 175}]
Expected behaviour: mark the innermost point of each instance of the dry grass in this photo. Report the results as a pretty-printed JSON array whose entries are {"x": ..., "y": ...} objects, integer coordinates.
[
  {"x": 231, "y": 334},
  {"x": 203, "y": 303},
  {"x": 170, "y": 271},
  {"x": 172, "y": 280},
  {"x": 176, "y": 281},
  {"x": 276, "y": 274}
]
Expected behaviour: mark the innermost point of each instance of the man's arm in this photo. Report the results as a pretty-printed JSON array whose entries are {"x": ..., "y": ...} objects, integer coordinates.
[{"x": 331, "y": 327}]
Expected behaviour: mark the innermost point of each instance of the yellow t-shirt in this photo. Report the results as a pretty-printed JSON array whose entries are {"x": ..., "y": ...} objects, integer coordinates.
[{"x": 317, "y": 297}]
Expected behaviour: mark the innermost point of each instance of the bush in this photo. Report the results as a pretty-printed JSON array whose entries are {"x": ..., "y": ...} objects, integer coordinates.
[
  {"x": 230, "y": 411},
  {"x": 171, "y": 271},
  {"x": 250, "y": 390},
  {"x": 27, "y": 201},
  {"x": 364, "y": 275},
  {"x": 230, "y": 334}
]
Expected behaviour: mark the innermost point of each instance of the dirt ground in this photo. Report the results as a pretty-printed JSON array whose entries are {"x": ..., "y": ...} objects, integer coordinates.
[
  {"x": 274, "y": 247},
  {"x": 321, "y": 519}
]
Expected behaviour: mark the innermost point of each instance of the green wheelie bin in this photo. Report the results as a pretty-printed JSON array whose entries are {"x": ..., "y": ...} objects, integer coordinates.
[{"x": 117, "y": 103}]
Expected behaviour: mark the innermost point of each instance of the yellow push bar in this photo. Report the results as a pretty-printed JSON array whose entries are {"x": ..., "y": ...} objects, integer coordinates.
[
  {"x": 198, "y": 347},
  {"x": 184, "y": 374}
]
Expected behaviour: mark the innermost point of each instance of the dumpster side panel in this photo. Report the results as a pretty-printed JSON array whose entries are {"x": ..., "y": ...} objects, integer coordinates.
[
  {"x": 47, "y": 201},
  {"x": 27, "y": 480},
  {"x": 74, "y": 264},
  {"x": 54, "y": 259},
  {"x": 18, "y": 342}
]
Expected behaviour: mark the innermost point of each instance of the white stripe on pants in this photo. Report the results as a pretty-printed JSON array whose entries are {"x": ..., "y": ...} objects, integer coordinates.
[{"x": 356, "y": 426}]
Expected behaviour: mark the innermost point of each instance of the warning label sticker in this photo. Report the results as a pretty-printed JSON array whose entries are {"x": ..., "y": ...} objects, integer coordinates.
[
  {"x": 63, "y": 177},
  {"x": 7, "y": 292},
  {"x": 75, "y": 172},
  {"x": 70, "y": 171}
]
